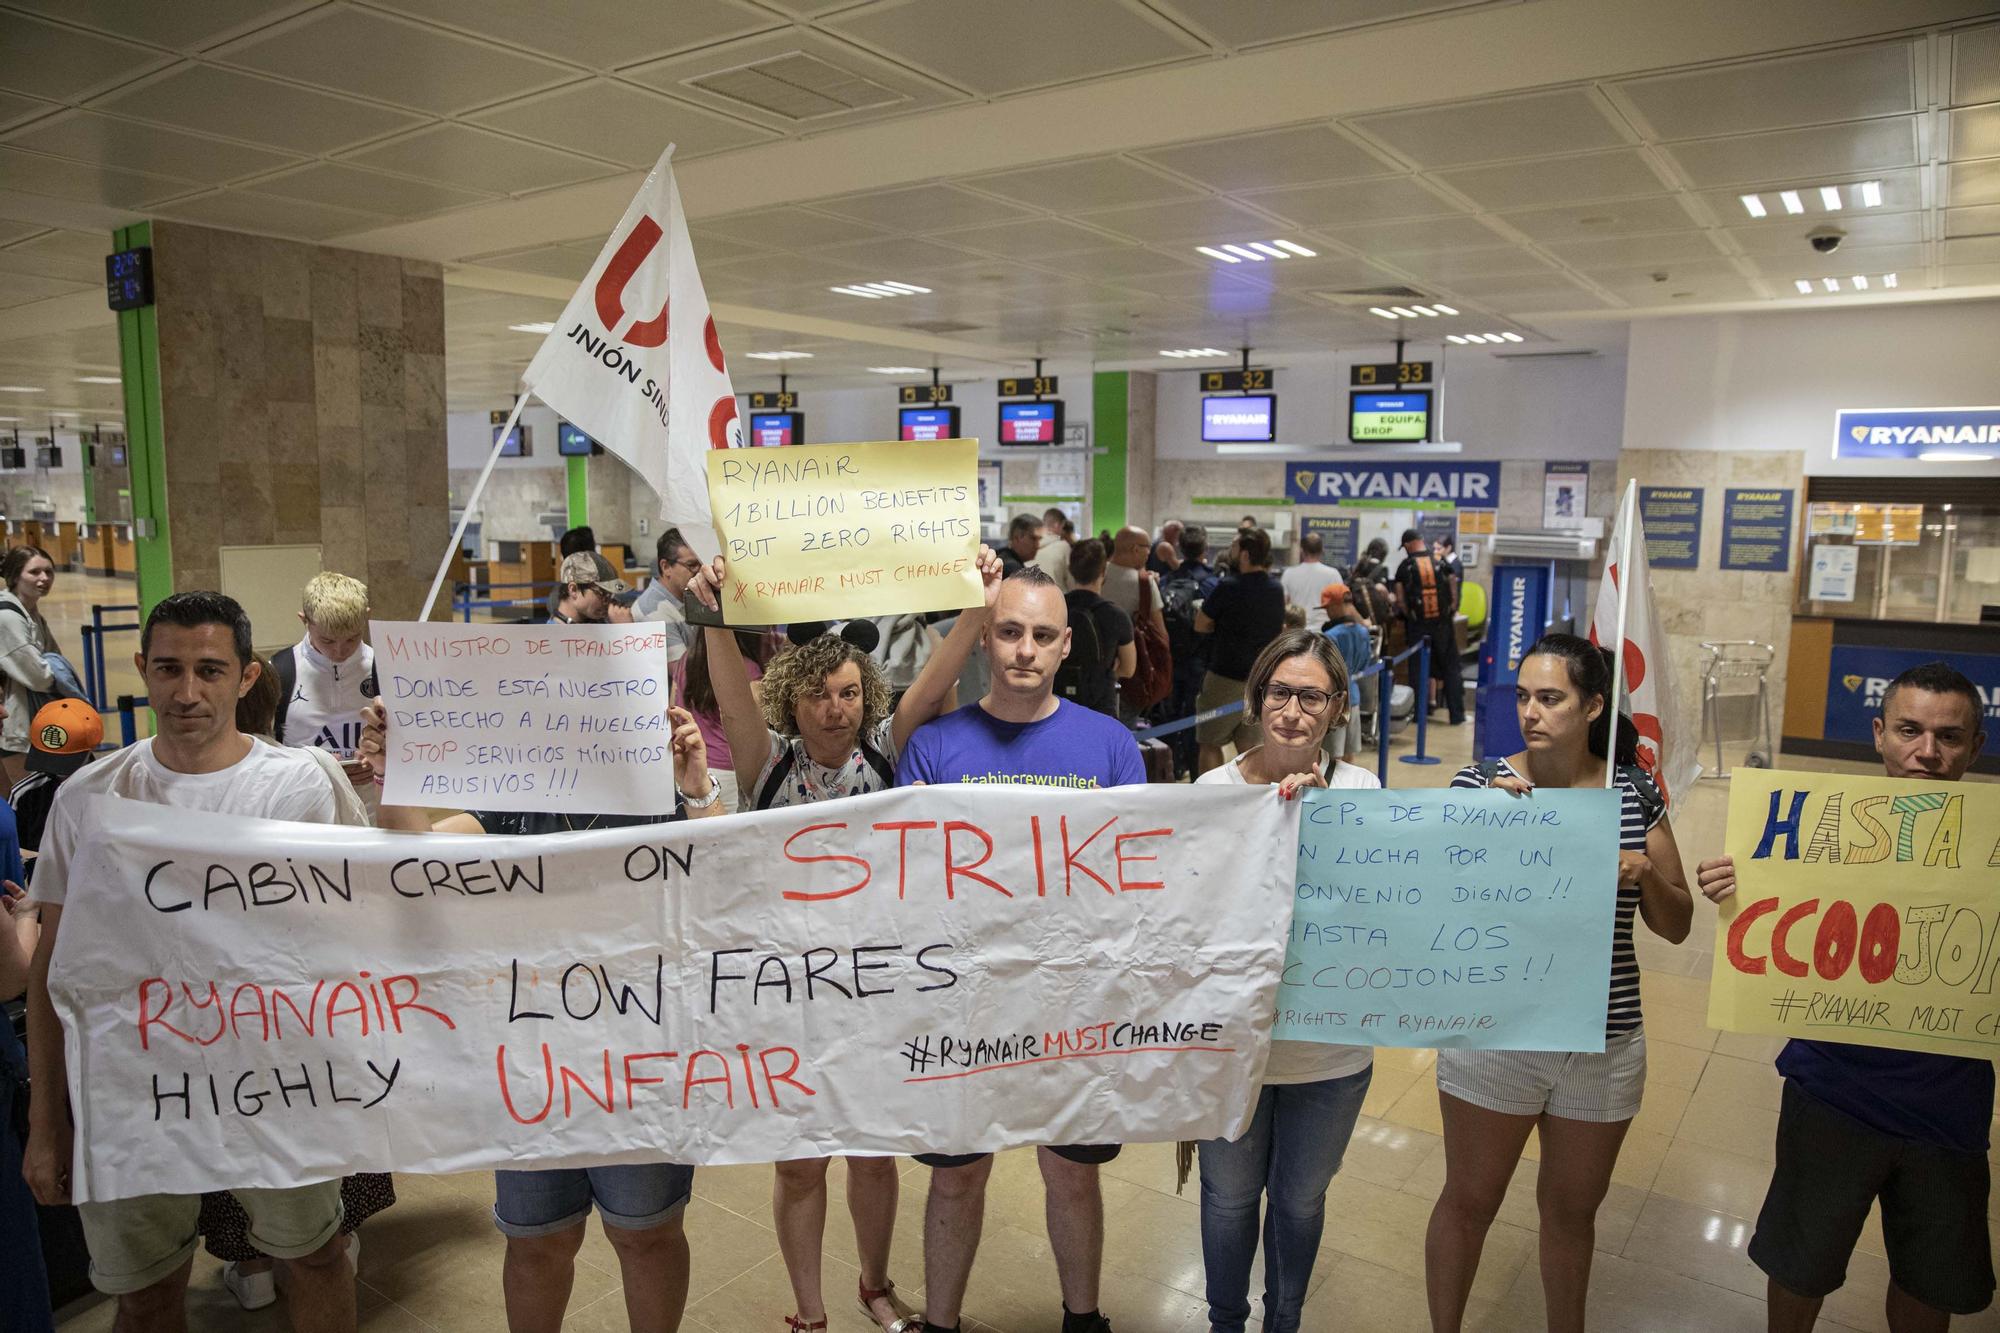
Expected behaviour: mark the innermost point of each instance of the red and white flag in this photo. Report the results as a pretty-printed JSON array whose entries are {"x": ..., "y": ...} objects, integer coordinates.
[
  {"x": 635, "y": 361},
  {"x": 1667, "y": 751}
]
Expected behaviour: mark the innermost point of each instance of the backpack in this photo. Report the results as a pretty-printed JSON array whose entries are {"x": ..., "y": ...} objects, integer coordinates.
[
  {"x": 1178, "y": 594},
  {"x": 285, "y": 666},
  {"x": 1085, "y": 675},
  {"x": 1153, "y": 679}
]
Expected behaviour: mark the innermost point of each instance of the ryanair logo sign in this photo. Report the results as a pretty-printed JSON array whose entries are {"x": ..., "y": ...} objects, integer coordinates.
[
  {"x": 1938, "y": 435},
  {"x": 1467, "y": 485}
]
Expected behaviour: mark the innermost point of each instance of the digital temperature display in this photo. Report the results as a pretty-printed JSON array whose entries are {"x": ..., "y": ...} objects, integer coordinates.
[{"x": 128, "y": 278}]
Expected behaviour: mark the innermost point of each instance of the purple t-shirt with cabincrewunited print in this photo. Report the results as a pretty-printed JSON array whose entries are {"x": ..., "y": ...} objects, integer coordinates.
[{"x": 1071, "y": 747}]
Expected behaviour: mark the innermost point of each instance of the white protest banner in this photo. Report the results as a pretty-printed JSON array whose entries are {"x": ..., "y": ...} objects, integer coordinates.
[
  {"x": 635, "y": 360},
  {"x": 526, "y": 717},
  {"x": 834, "y": 531},
  {"x": 948, "y": 968}
]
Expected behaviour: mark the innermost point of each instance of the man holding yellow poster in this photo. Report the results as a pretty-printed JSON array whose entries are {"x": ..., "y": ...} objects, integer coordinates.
[
  {"x": 835, "y": 531},
  {"x": 1863, "y": 912}
]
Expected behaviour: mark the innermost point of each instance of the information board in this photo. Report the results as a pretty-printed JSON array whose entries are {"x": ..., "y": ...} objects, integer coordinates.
[
  {"x": 1341, "y": 534},
  {"x": 1671, "y": 519},
  {"x": 1757, "y": 529}
]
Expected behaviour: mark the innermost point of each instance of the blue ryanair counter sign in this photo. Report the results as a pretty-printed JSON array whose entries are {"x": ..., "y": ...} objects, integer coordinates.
[
  {"x": 1933, "y": 434},
  {"x": 1859, "y": 676},
  {"x": 1466, "y": 485}
]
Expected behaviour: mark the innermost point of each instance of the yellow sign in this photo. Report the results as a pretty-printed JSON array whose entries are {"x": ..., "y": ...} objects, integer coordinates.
[
  {"x": 833, "y": 531},
  {"x": 1866, "y": 910}
]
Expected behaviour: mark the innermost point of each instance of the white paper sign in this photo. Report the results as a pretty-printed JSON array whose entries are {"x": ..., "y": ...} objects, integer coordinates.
[
  {"x": 948, "y": 968},
  {"x": 526, "y": 717},
  {"x": 1833, "y": 572}
]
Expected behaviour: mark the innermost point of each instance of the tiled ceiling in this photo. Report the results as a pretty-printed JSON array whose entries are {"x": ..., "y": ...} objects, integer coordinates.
[{"x": 325, "y": 119}]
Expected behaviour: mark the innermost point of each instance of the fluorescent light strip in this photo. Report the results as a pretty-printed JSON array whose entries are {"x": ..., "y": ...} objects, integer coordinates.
[
  {"x": 1425, "y": 310},
  {"x": 1214, "y": 253},
  {"x": 20, "y": 388},
  {"x": 1454, "y": 338},
  {"x": 1871, "y": 194},
  {"x": 1753, "y": 205},
  {"x": 904, "y": 287},
  {"x": 1298, "y": 249},
  {"x": 1248, "y": 254},
  {"x": 1442, "y": 308},
  {"x": 98, "y": 379},
  {"x": 1513, "y": 337},
  {"x": 897, "y": 370},
  {"x": 1475, "y": 337},
  {"x": 1404, "y": 311},
  {"x": 1793, "y": 204},
  {"x": 1378, "y": 310},
  {"x": 857, "y": 291},
  {"x": 779, "y": 356},
  {"x": 1831, "y": 284},
  {"x": 1192, "y": 351},
  {"x": 538, "y": 326},
  {"x": 1888, "y": 280},
  {"x": 1860, "y": 281},
  {"x": 1270, "y": 250},
  {"x": 1829, "y": 195},
  {"x": 1804, "y": 285}
]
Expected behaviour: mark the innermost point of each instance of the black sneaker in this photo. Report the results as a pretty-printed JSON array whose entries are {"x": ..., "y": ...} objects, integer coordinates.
[{"x": 1094, "y": 1322}]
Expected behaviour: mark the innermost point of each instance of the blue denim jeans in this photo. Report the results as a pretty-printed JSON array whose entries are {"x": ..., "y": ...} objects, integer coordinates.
[
  {"x": 1290, "y": 1152},
  {"x": 24, "y": 1290}
]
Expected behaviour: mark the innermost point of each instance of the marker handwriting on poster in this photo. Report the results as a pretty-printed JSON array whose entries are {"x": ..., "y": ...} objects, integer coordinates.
[
  {"x": 1462, "y": 918},
  {"x": 946, "y": 968},
  {"x": 526, "y": 717},
  {"x": 832, "y": 531},
  {"x": 1866, "y": 910}
]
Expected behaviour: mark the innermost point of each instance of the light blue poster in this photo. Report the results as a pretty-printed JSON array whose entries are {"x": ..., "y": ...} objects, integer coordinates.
[{"x": 1463, "y": 918}]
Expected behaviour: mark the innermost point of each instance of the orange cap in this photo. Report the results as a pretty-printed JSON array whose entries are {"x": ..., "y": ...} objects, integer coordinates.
[{"x": 66, "y": 726}]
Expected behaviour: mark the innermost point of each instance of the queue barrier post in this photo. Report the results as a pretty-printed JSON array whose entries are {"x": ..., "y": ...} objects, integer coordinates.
[
  {"x": 1385, "y": 692},
  {"x": 1423, "y": 694},
  {"x": 90, "y": 692},
  {"x": 128, "y": 721}
]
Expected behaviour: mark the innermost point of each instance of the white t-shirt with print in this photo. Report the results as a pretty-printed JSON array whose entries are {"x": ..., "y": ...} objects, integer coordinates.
[
  {"x": 1307, "y": 1061},
  {"x": 271, "y": 782},
  {"x": 808, "y": 781}
]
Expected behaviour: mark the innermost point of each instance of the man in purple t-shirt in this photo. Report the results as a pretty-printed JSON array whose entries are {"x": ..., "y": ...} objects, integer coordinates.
[
  {"x": 1020, "y": 732},
  {"x": 1862, "y": 1124}
]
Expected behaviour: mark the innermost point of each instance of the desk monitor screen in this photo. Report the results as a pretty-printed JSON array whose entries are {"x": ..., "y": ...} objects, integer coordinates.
[
  {"x": 928, "y": 423},
  {"x": 1031, "y": 423},
  {"x": 1240, "y": 418},
  {"x": 769, "y": 430},
  {"x": 571, "y": 442},
  {"x": 1396, "y": 417}
]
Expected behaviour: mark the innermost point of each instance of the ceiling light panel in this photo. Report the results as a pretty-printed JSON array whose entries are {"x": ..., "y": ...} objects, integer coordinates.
[{"x": 779, "y": 356}]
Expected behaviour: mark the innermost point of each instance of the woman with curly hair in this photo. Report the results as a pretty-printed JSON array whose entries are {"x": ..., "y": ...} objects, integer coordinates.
[{"x": 822, "y": 730}]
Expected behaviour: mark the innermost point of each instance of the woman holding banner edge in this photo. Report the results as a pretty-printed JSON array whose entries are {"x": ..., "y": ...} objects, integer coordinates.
[
  {"x": 1312, "y": 1091},
  {"x": 1582, "y": 1103},
  {"x": 823, "y": 730}
]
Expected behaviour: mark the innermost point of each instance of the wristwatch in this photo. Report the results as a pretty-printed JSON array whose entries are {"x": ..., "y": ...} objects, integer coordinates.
[{"x": 713, "y": 794}]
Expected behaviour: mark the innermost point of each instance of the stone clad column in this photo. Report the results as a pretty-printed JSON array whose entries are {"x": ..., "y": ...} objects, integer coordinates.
[{"x": 301, "y": 401}]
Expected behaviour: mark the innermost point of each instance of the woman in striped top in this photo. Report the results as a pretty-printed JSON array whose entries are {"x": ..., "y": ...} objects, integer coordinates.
[{"x": 1581, "y": 1102}]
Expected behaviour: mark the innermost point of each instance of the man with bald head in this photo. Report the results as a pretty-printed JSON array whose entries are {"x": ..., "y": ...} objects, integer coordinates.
[
  {"x": 1127, "y": 570},
  {"x": 1170, "y": 537},
  {"x": 1021, "y": 732}
]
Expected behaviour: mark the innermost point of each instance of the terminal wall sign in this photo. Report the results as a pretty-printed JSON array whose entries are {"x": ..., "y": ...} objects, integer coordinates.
[
  {"x": 924, "y": 393},
  {"x": 1256, "y": 379},
  {"x": 1932, "y": 435},
  {"x": 1389, "y": 372},
  {"x": 1466, "y": 485}
]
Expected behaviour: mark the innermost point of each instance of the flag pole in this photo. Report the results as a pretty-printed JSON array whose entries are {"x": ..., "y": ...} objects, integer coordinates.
[
  {"x": 472, "y": 506},
  {"x": 1624, "y": 568}
]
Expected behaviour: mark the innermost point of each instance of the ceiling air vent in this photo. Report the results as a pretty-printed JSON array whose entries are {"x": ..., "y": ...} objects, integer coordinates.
[
  {"x": 1373, "y": 296},
  {"x": 939, "y": 327},
  {"x": 798, "y": 87}
]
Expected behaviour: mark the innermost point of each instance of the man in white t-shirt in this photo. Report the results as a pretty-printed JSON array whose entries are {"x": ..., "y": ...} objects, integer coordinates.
[
  {"x": 1306, "y": 580},
  {"x": 325, "y": 675},
  {"x": 195, "y": 657},
  {"x": 1053, "y": 557}
]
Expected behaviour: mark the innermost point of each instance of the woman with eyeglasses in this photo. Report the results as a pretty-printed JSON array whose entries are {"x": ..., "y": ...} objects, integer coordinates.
[
  {"x": 1312, "y": 1092},
  {"x": 1580, "y": 1103}
]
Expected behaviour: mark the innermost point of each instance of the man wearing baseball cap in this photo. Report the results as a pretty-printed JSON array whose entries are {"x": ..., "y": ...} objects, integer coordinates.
[
  {"x": 587, "y": 594},
  {"x": 61, "y": 739}
]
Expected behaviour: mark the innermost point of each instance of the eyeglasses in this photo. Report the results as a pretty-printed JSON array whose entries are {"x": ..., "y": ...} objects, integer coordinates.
[
  {"x": 1311, "y": 702},
  {"x": 692, "y": 567}
]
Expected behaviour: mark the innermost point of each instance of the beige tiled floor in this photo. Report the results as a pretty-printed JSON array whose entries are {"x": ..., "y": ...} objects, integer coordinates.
[{"x": 1670, "y": 1236}]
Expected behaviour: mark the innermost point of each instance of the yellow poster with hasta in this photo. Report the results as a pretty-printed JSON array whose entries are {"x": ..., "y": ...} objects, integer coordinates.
[
  {"x": 1867, "y": 909},
  {"x": 835, "y": 531}
]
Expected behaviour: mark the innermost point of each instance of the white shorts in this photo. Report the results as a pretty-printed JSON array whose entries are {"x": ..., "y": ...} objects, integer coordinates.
[{"x": 1601, "y": 1087}]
